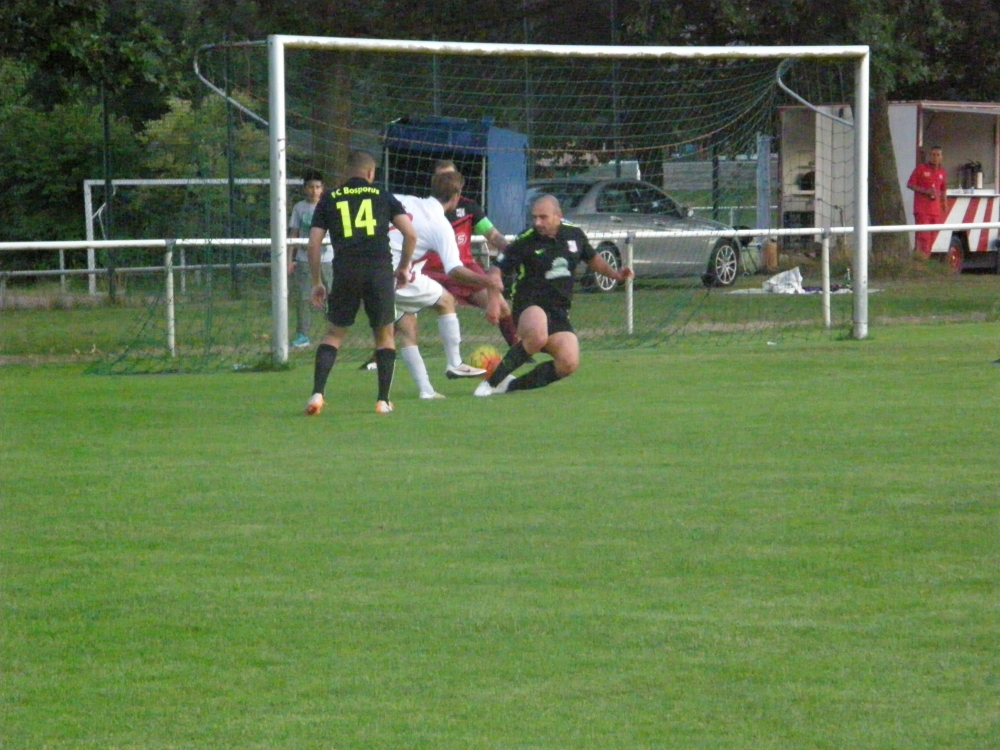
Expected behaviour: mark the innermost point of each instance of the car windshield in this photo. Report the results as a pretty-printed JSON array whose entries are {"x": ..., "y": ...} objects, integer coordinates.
[
  {"x": 569, "y": 194},
  {"x": 635, "y": 198}
]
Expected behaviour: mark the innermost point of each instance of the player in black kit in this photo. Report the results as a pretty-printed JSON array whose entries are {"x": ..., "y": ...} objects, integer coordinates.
[
  {"x": 358, "y": 215},
  {"x": 544, "y": 259}
]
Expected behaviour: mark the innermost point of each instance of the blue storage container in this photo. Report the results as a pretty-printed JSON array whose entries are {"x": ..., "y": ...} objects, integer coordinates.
[{"x": 493, "y": 161}]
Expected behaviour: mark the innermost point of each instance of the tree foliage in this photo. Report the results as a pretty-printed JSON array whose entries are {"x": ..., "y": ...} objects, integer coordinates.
[
  {"x": 58, "y": 54},
  {"x": 75, "y": 47},
  {"x": 902, "y": 35},
  {"x": 188, "y": 142},
  {"x": 45, "y": 155}
]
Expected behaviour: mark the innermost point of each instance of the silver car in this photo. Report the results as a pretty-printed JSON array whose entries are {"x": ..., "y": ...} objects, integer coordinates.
[{"x": 619, "y": 205}]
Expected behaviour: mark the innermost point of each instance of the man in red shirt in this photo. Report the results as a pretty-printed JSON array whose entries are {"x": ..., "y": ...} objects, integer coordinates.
[
  {"x": 467, "y": 219},
  {"x": 929, "y": 192}
]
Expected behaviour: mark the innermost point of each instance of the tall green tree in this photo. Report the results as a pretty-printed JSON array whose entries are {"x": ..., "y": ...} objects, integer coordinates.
[
  {"x": 93, "y": 69},
  {"x": 45, "y": 155},
  {"x": 903, "y": 36},
  {"x": 968, "y": 58},
  {"x": 76, "y": 47}
]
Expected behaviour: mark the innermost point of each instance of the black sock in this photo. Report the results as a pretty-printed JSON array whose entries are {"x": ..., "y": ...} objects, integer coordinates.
[
  {"x": 385, "y": 359},
  {"x": 540, "y": 377},
  {"x": 326, "y": 355},
  {"x": 514, "y": 358}
]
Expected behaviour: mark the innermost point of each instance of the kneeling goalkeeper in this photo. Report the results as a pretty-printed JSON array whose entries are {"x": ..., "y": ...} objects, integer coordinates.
[{"x": 544, "y": 259}]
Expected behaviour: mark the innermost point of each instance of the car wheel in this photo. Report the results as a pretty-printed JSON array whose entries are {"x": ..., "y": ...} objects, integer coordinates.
[
  {"x": 724, "y": 264},
  {"x": 595, "y": 282},
  {"x": 956, "y": 254}
]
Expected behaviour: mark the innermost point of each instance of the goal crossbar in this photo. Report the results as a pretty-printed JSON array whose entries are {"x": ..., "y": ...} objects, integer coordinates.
[{"x": 568, "y": 50}]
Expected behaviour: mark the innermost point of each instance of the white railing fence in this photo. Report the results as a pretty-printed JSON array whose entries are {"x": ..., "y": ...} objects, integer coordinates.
[{"x": 170, "y": 268}]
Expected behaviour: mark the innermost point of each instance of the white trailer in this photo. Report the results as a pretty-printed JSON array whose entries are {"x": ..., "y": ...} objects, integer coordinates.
[{"x": 816, "y": 169}]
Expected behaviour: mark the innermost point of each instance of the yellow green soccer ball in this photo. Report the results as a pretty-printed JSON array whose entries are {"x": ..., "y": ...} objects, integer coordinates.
[{"x": 486, "y": 357}]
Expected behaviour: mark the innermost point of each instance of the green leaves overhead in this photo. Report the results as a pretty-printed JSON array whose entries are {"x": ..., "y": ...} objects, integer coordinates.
[{"x": 90, "y": 43}]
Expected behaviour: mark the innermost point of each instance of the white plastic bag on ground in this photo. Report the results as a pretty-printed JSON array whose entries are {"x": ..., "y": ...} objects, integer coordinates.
[{"x": 786, "y": 282}]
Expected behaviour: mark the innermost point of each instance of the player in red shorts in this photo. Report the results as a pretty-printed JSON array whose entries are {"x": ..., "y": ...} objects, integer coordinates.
[{"x": 467, "y": 219}]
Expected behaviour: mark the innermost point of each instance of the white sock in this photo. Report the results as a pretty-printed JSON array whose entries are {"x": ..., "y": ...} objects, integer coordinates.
[
  {"x": 415, "y": 364},
  {"x": 451, "y": 336}
]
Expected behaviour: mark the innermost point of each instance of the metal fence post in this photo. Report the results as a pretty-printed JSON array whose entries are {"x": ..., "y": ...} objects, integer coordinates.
[
  {"x": 826, "y": 277},
  {"x": 629, "y": 300},
  {"x": 168, "y": 267}
]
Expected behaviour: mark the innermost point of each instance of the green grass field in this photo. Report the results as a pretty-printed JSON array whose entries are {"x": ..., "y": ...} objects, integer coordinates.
[{"x": 790, "y": 546}]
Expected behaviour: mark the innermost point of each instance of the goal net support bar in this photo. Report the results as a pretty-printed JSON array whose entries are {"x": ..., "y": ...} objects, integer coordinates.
[{"x": 92, "y": 215}]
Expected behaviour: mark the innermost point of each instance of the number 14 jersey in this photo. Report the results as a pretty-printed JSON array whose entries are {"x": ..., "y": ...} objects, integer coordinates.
[{"x": 358, "y": 216}]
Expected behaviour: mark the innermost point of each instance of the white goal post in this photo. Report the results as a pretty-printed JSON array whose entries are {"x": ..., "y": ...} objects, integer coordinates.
[{"x": 277, "y": 46}]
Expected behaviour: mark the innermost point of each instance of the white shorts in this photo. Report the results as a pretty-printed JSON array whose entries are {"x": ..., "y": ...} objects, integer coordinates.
[{"x": 420, "y": 293}]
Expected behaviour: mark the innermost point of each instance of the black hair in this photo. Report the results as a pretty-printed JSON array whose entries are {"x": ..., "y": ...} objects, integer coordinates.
[{"x": 359, "y": 162}]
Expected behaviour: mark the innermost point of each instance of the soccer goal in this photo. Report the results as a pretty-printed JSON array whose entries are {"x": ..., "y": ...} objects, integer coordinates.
[{"x": 698, "y": 124}]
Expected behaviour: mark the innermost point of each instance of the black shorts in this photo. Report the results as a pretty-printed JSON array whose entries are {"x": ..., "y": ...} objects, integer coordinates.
[
  {"x": 558, "y": 317},
  {"x": 352, "y": 285}
]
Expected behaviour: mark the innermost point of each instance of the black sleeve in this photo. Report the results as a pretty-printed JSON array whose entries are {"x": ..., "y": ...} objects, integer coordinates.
[
  {"x": 478, "y": 213},
  {"x": 395, "y": 207},
  {"x": 509, "y": 261},
  {"x": 323, "y": 215},
  {"x": 586, "y": 251}
]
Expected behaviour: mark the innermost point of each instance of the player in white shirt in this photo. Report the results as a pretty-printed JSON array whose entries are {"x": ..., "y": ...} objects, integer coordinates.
[{"x": 434, "y": 233}]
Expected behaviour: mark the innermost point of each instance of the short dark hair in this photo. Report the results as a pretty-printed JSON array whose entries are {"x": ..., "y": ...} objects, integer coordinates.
[
  {"x": 312, "y": 175},
  {"x": 446, "y": 185},
  {"x": 444, "y": 164},
  {"x": 359, "y": 162}
]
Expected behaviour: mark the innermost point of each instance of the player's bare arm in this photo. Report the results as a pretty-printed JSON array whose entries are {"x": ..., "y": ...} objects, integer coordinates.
[
  {"x": 405, "y": 226},
  {"x": 476, "y": 279},
  {"x": 492, "y": 285},
  {"x": 496, "y": 304},
  {"x": 318, "y": 295},
  {"x": 597, "y": 264},
  {"x": 496, "y": 240}
]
